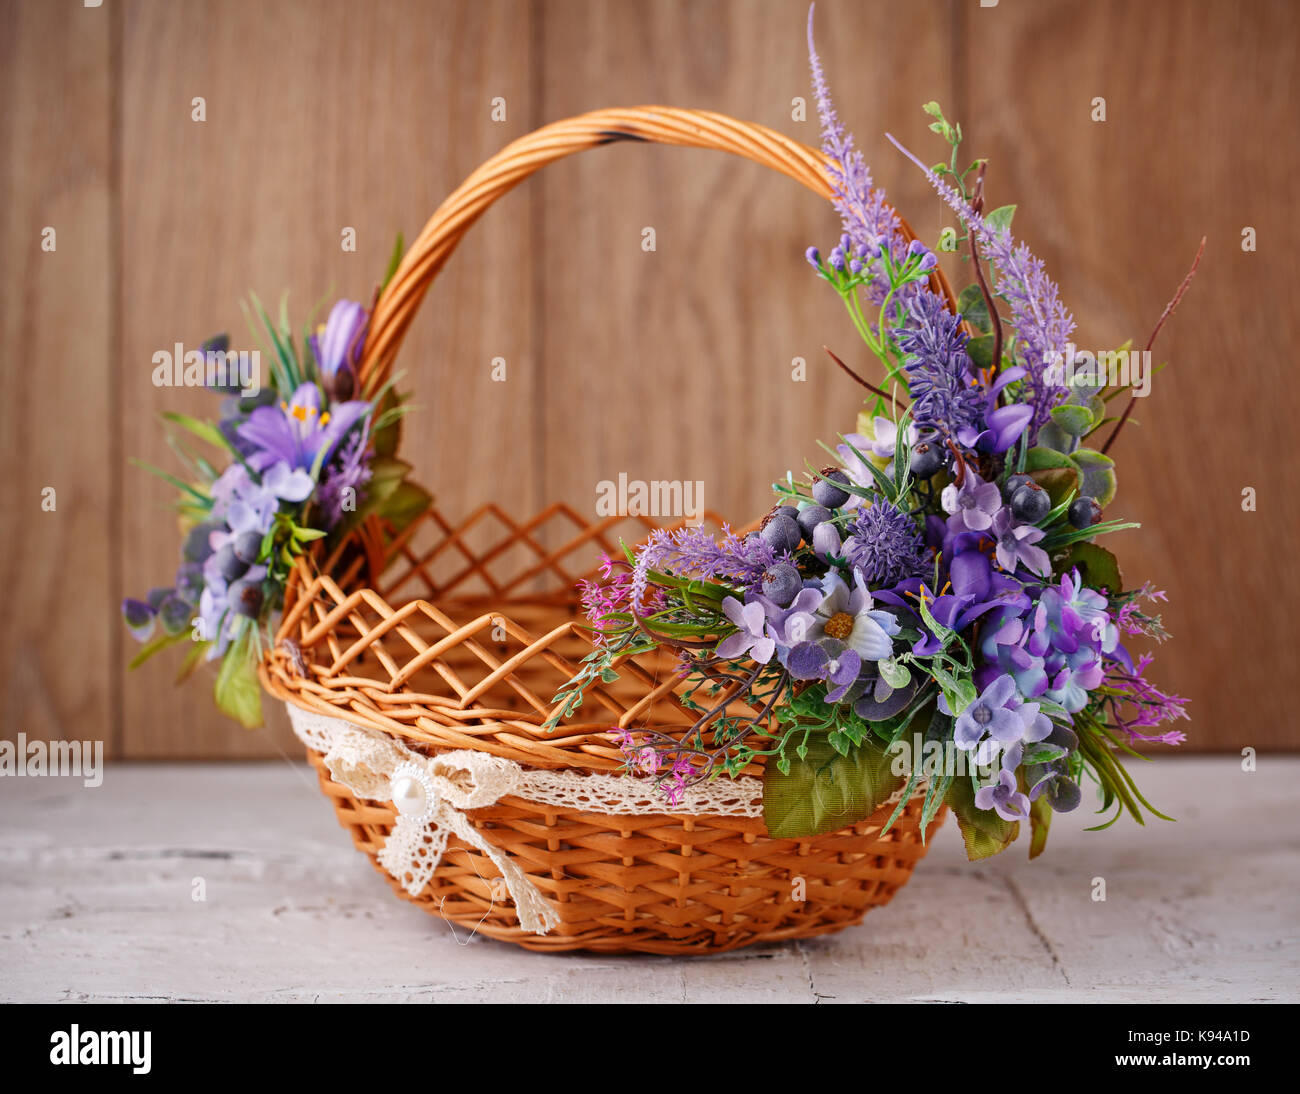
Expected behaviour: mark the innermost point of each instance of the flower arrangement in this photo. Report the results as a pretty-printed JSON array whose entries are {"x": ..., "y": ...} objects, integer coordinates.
[
  {"x": 311, "y": 457},
  {"x": 931, "y": 610}
]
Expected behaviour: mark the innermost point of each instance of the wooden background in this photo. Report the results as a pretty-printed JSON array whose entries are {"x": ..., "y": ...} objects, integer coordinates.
[{"x": 674, "y": 364}]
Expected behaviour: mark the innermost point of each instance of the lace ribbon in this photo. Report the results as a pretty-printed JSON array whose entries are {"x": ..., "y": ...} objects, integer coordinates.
[{"x": 431, "y": 793}]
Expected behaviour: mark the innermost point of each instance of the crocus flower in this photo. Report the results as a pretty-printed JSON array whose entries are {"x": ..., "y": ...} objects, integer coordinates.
[
  {"x": 1003, "y": 797},
  {"x": 336, "y": 346},
  {"x": 299, "y": 432},
  {"x": 1015, "y": 544}
]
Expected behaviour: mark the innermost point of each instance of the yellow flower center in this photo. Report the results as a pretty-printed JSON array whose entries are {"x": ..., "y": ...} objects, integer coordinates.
[{"x": 840, "y": 625}]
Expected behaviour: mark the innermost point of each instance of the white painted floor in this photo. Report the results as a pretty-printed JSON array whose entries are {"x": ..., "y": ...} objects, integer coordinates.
[{"x": 97, "y": 885}]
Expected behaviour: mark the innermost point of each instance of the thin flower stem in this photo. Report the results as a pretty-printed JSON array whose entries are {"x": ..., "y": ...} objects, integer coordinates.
[
  {"x": 870, "y": 387},
  {"x": 1169, "y": 310}
]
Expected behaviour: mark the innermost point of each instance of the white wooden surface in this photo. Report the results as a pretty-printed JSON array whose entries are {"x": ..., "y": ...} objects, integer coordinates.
[{"x": 96, "y": 904}]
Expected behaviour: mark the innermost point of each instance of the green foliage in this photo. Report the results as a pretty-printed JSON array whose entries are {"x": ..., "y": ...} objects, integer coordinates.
[
  {"x": 824, "y": 790},
  {"x": 237, "y": 691},
  {"x": 984, "y": 832}
]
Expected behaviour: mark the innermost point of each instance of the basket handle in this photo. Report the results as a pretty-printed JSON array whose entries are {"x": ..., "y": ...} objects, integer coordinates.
[{"x": 397, "y": 305}]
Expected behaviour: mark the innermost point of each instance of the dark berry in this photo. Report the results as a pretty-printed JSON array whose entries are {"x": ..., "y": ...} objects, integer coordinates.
[
  {"x": 781, "y": 533},
  {"x": 825, "y": 492},
  {"x": 1084, "y": 512},
  {"x": 248, "y": 545},
  {"x": 196, "y": 547},
  {"x": 175, "y": 615},
  {"x": 1014, "y": 483},
  {"x": 810, "y": 517},
  {"x": 927, "y": 459},
  {"x": 1030, "y": 503},
  {"x": 781, "y": 584},
  {"x": 229, "y": 564},
  {"x": 246, "y": 598}
]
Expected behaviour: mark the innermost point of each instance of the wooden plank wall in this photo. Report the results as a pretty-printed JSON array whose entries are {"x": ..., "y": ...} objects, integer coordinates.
[{"x": 674, "y": 363}]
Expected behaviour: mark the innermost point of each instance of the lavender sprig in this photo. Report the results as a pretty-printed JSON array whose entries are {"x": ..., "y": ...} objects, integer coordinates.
[{"x": 1040, "y": 320}]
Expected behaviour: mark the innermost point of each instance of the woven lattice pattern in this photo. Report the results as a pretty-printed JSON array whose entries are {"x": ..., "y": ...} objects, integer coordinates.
[{"x": 662, "y": 885}]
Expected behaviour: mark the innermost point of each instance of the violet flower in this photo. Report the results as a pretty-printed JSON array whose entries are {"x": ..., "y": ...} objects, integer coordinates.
[
  {"x": 1004, "y": 798},
  {"x": 751, "y": 632},
  {"x": 1015, "y": 545},
  {"x": 940, "y": 377},
  {"x": 972, "y": 504},
  {"x": 885, "y": 545},
  {"x": 299, "y": 432},
  {"x": 1041, "y": 323},
  {"x": 849, "y": 616},
  {"x": 336, "y": 345},
  {"x": 869, "y": 223}
]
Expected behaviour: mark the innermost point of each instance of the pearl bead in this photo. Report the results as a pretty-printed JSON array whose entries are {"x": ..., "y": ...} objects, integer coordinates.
[{"x": 409, "y": 796}]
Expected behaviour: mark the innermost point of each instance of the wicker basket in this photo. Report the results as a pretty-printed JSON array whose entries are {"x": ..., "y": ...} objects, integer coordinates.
[{"x": 456, "y": 636}]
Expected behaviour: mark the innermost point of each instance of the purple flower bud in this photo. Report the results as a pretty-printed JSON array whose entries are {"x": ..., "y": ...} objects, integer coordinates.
[
  {"x": 814, "y": 257},
  {"x": 826, "y": 540},
  {"x": 138, "y": 617}
]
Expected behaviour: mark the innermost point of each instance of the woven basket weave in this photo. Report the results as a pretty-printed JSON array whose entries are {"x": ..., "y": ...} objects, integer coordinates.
[{"x": 456, "y": 636}]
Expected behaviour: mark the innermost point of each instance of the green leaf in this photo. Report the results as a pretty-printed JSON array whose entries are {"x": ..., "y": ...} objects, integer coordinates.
[
  {"x": 159, "y": 643},
  {"x": 1039, "y": 458},
  {"x": 981, "y": 350},
  {"x": 1040, "y": 819},
  {"x": 1000, "y": 217},
  {"x": 237, "y": 691},
  {"x": 183, "y": 487},
  {"x": 971, "y": 306},
  {"x": 205, "y": 431},
  {"x": 984, "y": 832},
  {"x": 1059, "y": 482},
  {"x": 824, "y": 791},
  {"x": 1073, "y": 419},
  {"x": 395, "y": 260},
  {"x": 192, "y": 660},
  {"x": 1097, "y": 566},
  {"x": 1097, "y": 475},
  {"x": 404, "y": 504}
]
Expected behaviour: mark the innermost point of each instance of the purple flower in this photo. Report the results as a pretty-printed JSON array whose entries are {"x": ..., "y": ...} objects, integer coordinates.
[
  {"x": 1015, "y": 545},
  {"x": 299, "y": 432},
  {"x": 1041, "y": 323},
  {"x": 885, "y": 545},
  {"x": 751, "y": 634},
  {"x": 336, "y": 346},
  {"x": 345, "y": 476},
  {"x": 1063, "y": 792},
  {"x": 997, "y": 713},
  {"x": 849, "y": 616},
  {"x": 827, "y": 660},
  {"x": 972, "y": 504},
  {"x": 693, "y": 552},
  {"x": 940, "y": 381},
  {"x": 139, "y": 618},
  {"x": 1003, "y": 797},
  {"x": 869, "y": 223}
]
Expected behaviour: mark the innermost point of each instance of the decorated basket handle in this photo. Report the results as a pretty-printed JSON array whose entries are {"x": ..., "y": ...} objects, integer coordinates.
[{"x": 397, "y": 305}]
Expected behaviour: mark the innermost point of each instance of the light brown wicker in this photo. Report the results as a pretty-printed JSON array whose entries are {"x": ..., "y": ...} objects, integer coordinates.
[{"x": 456, "y": 636}]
